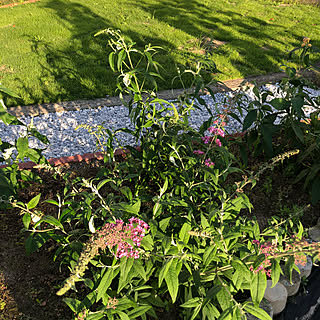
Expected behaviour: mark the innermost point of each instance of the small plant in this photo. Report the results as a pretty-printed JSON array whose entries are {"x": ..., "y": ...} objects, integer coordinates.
[
  {"x": 273, "y": 124},
  {"x": 306, "y": 49},
  {"x": 11, "y": 176}
]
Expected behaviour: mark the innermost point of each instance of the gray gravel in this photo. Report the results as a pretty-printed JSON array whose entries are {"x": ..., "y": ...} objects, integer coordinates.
[{"x": 65, "y": 140}]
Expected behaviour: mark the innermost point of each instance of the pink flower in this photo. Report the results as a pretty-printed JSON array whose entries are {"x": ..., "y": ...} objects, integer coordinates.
[
  {"x": 220, "y": 132},
  {"x": 199, "y": 152},
  {"x": 118, "y": 234},
  {"x": 218, "y": 142},
  {"x": 209, "y": 163},
  {"x": 216, "y": 131},
  {"x": 206, "y": 139}
]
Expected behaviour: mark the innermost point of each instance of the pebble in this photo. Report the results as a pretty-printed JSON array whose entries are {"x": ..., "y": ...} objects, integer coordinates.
[{"x": 277, "y": 296}]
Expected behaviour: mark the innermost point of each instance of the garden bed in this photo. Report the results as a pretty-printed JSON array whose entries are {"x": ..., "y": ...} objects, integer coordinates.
[
  {"x": 189, "y": 226},
  {"x": 28, "y": 284}
]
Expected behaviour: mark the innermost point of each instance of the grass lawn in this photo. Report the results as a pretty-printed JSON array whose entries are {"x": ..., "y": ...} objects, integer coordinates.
[{"x": 49, "y": 52}]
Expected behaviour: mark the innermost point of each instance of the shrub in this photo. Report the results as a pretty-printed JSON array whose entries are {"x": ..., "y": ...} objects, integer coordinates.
[
  {"x": 11, "y": 178},
  {"x": 161, "y": 232}
]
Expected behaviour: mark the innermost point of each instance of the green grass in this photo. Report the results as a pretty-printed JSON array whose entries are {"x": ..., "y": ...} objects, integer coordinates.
[
  {"x": 49, "y": 52},
  {"x": 4, "y": 2}
]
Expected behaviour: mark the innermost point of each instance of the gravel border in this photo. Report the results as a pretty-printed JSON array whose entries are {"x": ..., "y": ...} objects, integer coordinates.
[
  {"x": 76, "y": 105},
  {"x": 58, "y": 121}
]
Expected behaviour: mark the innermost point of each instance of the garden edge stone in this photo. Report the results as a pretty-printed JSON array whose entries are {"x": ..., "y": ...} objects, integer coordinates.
[{"x": 76, "y": 105}]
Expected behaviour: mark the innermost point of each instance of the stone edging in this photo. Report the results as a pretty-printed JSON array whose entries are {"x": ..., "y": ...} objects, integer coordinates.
[
  {"x": 72, "y": 159},
  {"x": 228, "y": 85}
]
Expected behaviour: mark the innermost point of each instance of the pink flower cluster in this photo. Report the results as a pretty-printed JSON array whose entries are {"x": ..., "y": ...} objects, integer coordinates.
[
  {"x": 209, "y": 163},
  {"x": 198, "y": 152},
  {"x": 296, "y": 246},
  {"x": 268, "y": 250},
  {"x": 206, "y": 139},
  {"x": 118, "y": 234},
  {"x": 216, "y": 131}
]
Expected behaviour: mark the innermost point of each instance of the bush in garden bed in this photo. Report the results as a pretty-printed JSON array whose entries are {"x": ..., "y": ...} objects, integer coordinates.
[
  {"x": 11, "y": 178},
  {"x": 161, "y": 233}
]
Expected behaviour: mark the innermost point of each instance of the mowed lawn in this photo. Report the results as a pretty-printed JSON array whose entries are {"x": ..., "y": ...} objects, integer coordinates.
[{"x": 48, "y": 51}]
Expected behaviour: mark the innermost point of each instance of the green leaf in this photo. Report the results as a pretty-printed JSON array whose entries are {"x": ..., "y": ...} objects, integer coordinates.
[
  {"x": 191, "y": 303},
  {"x": 257, "y": 312},
  {"x": 137, "y": 312},
  {"x": 89, "y": 283},
  {"x": 164, "y": 270},
  {"x": 125, "y": 267},
  {"x": 138, "y": 267},
  {"x": 196, "y": 311},
  {"x": 104, "y": 284},
  {"x": 122, "y": 315},
  {"x": 9, "y": 92},
  {"x": 258, "y": 286},
  {"x": 22, "y": 145},
  {"x": 236, "y": 314},
  {"x": 39, "y": 136},
  {"x": 121, "y": 57},
  {"x": 249, "y": 119},
  {"x": 35, "y": 241},
  {"x": 267, "y": 131},
  {"x": 51, "y": 220},
  {"x": 102, "y": 183},
  {"x": 204, "y": 222},
  {"x": 147, "y": 242},
  {"x": 73, "y": 304},
  {"x": 298, "y": 131},
  {"x": 6, "y": 117},
  {"x": 26, "y": 220},
  {"x": 130, "y": 208},
  {"x": 297, "y": 105},
  {"x": 226, "y": 314},
  {"x": 209, "y": 255},
  {"x": 97, "y": 315},
  {"x": 275, "y": 272},
  {"x": 184, "y": 233},
  {"x": 111, "y": 61},
  {"x": 280, "y": 103},
  {"x": 163, "y": 224},
  {"x": 224, "y": 299},
  {"x": 172, "y": 279},
  {"x": 210, "y": 311},
  {"x": 34, "y": 202}
]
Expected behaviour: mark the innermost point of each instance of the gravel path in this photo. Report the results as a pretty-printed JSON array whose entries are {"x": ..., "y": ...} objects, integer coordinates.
[{"x": 59, "y": 127}]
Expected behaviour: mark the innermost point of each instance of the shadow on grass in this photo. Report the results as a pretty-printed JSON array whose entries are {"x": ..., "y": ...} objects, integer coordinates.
[
  {"x": 79, "y": 70},
  {"x": 251, "y": 46}
]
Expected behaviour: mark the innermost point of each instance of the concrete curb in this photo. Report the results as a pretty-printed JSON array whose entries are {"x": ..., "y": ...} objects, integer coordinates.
[
  {"x": 72, "y": 159},
  {"x": 93, "y": 156}
]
